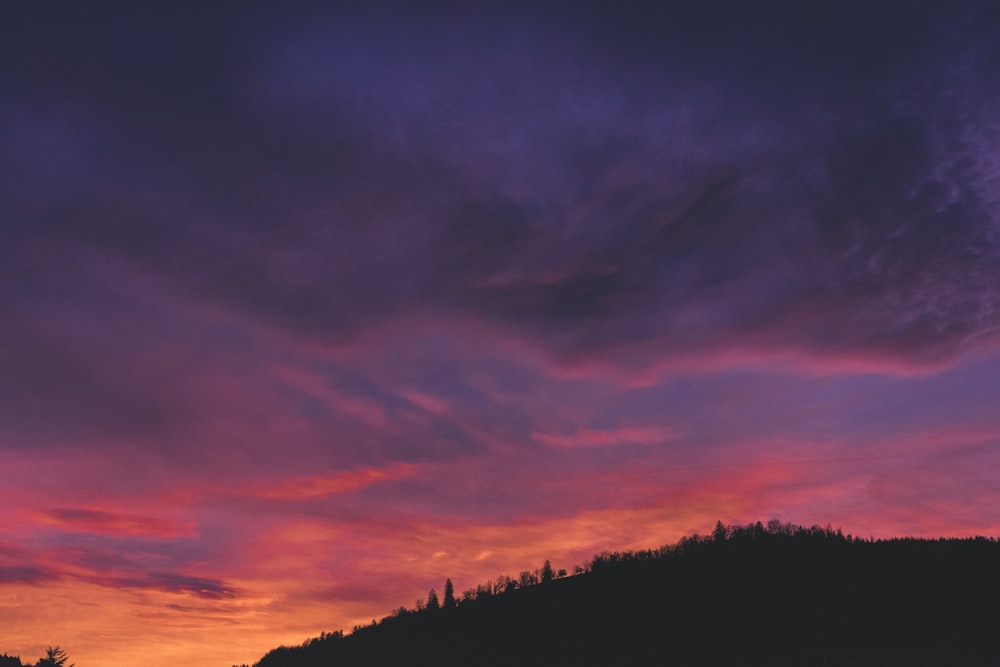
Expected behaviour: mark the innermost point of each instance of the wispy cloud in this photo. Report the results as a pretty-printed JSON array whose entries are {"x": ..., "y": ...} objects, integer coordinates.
[
  {"x": 311, "y": 487},
  {"x": 114, "y": 523}
]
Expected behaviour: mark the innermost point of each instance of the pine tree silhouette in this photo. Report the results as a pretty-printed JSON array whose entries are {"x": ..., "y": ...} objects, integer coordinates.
[
  {"x": 54, "y": 657},
  {"x": 449, "y": 595},
  {"x": 547, "y": 572}
]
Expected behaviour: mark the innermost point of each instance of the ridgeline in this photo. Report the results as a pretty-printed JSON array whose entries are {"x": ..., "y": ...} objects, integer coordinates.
[{"x": 776, "y": 595}]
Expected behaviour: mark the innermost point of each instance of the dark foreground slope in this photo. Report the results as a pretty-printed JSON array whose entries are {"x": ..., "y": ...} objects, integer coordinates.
[{"x": 752, "y": 595}]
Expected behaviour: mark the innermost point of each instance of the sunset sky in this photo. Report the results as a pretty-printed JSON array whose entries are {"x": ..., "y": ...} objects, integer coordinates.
[{"x": 303, "y": 310}]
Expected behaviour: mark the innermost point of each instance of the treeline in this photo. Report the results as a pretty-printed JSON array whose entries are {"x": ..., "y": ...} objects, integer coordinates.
[
  {"x": 54, "y": 657},
  {"x": 502, "y": 584},
  {"x": 773, "y": 593}
]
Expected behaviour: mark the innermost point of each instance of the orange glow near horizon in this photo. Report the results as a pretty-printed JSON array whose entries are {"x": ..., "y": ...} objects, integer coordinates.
[
  {"x": 161, "y": 628},
  {"x": 277, "y": 562},
  {"x": 292, "y": 587}
]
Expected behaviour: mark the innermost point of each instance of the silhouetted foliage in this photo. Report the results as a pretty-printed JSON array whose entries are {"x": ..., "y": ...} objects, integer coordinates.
[
  {"x": 720, "y": 533},
  {"x": 547, "y": 572},
  {"x": 824, "y": 598},
  {"x": 432, "y": 601},
  {"x": 449, "y": 595},
  {"x": 54, "y": 657},
  {"x": 10, "y": 660}
]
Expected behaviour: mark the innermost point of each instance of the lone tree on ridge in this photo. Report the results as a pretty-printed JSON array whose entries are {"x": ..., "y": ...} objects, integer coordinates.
[{"x": 54, "y": 657}]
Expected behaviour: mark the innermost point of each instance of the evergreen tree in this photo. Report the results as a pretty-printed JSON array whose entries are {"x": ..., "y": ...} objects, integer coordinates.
[
  {"x": 449, "y": 594},
  {"x": 720, "y": 533},
  {"x": 432, "y": 601},
  {"x": 546, "y": 572},
  {"x": 54, "y": 657}
]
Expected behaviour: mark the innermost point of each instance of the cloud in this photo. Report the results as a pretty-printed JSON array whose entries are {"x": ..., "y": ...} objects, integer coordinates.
[
  {"x": 25, "y": 574},
  {"x": 172, "y": 582},
  {"x": 114, "y": 523},
  {"x": 852, "y": 230},
  {"x": 595, "y": 437},
  {"x": 311, "y": 487}
]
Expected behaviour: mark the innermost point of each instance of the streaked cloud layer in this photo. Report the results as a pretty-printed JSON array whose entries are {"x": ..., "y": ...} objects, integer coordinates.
[{"x": 306, "y": 309}]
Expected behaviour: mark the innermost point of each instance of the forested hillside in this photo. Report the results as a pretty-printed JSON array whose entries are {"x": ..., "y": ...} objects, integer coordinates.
[{"x": 745, "y": 595}]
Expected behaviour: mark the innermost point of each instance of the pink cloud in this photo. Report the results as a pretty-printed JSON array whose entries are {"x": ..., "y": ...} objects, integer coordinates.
[
  {"x": 342, "y": 482},
  {"x": 114, "y": 523},
  {"x": 313, "y": 384},
  {"x": 426, "y": 401}
]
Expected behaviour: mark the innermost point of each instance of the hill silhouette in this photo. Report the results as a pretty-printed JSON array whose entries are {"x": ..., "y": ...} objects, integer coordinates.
[{"x": 776, "y": 595}]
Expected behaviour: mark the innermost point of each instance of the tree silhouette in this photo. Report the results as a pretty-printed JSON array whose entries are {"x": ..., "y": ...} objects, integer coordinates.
[
  {"x": 54, "y": 657},
  {"x": 432, "y": 601},
  {"x": 546, "y": 571},
  {"x": 449, "y": 594},
  {"x": 720, "y": 533}
]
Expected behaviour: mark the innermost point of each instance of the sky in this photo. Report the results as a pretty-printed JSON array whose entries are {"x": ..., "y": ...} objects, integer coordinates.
[{"x": 306, "y": 307}]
